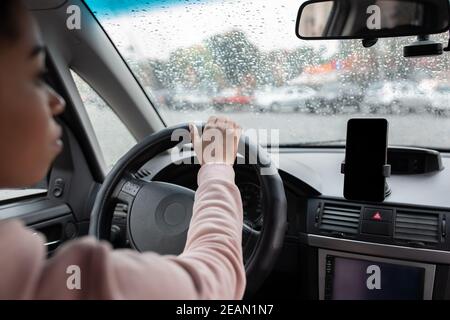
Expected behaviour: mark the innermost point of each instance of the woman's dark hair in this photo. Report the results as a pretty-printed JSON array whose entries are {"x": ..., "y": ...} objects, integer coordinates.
[{"x": 9, "y": 17}]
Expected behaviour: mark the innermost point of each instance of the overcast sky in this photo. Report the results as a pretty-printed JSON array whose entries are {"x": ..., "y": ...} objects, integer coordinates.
[{"x": 157, "y": 28}]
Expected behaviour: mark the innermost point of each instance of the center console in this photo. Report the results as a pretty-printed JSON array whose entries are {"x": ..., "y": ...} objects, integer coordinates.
[{"x": 367, "y": 251}]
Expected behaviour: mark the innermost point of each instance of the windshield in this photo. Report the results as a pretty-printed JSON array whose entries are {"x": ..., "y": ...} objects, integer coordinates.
[{"x": 242, "y": 58}]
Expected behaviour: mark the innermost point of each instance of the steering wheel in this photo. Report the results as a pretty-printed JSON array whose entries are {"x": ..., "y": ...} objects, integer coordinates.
[{"x": 159, "y": 213}]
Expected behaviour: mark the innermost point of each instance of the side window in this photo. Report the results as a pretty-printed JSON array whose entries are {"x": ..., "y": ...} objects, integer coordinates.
[{"x": 112, "y": 135}]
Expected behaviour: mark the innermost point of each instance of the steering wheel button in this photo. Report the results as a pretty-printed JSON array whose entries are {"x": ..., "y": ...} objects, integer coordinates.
[{"x": 131, "y": 188}]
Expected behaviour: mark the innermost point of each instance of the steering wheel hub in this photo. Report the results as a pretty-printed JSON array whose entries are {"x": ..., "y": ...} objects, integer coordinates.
[{"x": 159, "y": 218}]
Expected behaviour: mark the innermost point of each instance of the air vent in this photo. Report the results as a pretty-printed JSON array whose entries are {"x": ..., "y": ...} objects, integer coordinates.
[
  {"x": 340, "y": 218},
  {"x": 417, "y": 227}
]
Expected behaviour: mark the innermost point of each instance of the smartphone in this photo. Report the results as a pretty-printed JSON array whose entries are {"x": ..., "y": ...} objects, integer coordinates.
[{"x": 365, "y": 158}]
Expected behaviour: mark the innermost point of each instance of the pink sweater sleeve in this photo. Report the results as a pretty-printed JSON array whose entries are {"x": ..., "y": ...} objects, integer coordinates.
[{"x": 210, "y": 267}]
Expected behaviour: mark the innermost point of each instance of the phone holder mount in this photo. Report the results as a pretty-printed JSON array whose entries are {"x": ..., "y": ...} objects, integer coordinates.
[{"x": 386, "y": 174}]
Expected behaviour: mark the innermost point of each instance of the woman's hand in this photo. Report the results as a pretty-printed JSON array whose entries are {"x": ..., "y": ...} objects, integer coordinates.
[{"x": 219, "y": 142}]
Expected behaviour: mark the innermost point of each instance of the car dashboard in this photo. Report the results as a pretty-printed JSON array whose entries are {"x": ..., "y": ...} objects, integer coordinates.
[{"x": 406, "y": 234}]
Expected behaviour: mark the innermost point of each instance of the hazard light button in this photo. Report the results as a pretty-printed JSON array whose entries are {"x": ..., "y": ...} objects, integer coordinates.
[{"x": 376, "y": 214}]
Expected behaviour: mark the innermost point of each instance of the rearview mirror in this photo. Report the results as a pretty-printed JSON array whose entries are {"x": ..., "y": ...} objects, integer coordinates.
[{"x": 371, "y": 19}]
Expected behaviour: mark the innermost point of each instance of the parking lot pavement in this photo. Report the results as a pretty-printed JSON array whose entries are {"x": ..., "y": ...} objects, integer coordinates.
[{"x": 410, "y": 129}]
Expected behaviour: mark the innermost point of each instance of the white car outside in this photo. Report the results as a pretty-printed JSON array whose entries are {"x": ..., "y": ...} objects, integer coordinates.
[{"x": 284, "y": 98}]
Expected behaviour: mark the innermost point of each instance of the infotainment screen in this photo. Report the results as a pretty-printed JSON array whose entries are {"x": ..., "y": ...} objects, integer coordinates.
[
  {"x": 351, "y": 279},
  {"x": 352, "y": 276}
]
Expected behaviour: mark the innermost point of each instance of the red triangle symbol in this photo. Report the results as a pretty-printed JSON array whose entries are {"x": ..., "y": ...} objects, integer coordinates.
[{"x": 377, "y": 216}]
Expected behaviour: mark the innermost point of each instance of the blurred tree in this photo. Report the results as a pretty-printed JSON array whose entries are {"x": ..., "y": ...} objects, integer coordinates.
[{"x": 235, "y": 55}]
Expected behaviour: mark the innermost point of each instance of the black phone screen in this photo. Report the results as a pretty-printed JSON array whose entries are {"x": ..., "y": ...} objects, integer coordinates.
[{"x": 365, "y": 157}]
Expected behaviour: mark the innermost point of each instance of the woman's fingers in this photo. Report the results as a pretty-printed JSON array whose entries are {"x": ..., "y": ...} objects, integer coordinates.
[{"x": 219, "y": 142}]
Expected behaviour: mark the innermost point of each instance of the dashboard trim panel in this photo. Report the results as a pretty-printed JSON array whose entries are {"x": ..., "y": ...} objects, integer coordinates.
[{"x": 380, "y": 250}]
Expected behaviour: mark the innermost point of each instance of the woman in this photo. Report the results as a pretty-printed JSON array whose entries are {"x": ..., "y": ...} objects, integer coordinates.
[{"x": 211, "y": 265}]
